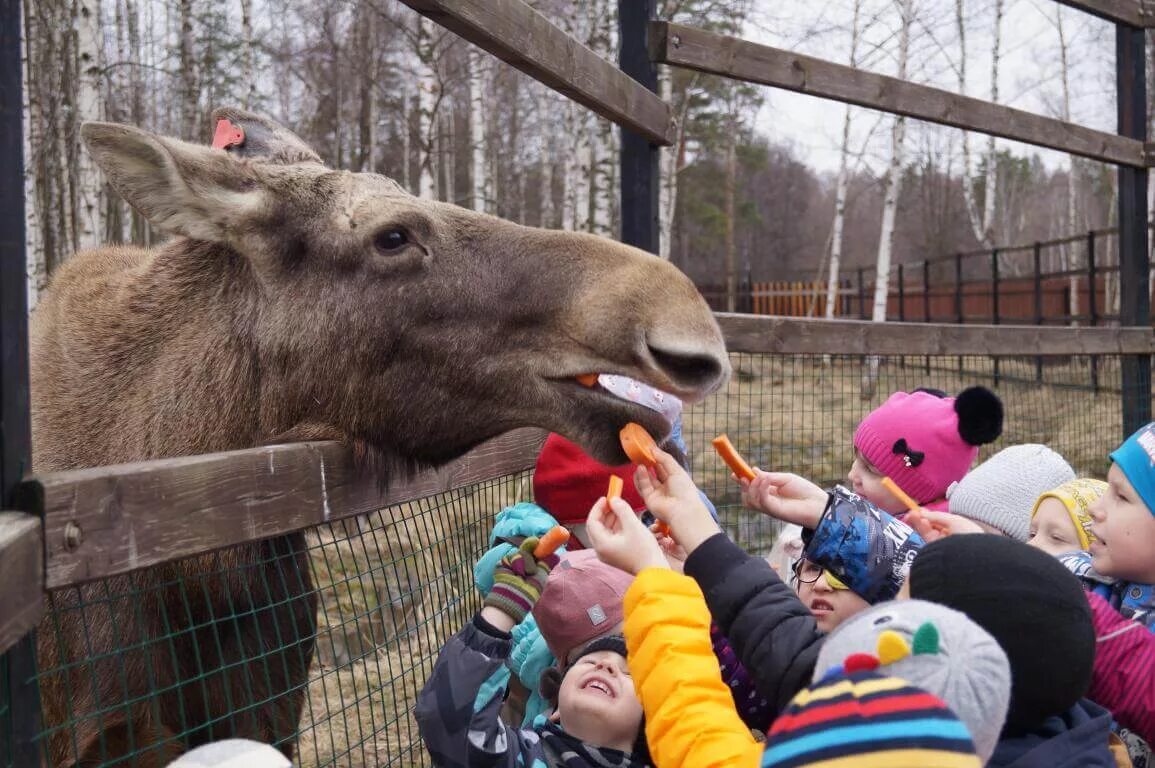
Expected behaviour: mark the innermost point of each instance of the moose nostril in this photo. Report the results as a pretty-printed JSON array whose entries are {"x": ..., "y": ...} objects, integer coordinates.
[{"x": 689, "y": 369}]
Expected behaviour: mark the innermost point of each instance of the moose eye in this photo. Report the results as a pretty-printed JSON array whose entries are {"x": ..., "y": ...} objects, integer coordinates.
[{"x": 390, "y": 240}]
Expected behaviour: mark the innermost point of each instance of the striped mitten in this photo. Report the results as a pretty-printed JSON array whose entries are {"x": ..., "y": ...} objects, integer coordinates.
[{"x": 518, "y": 580}]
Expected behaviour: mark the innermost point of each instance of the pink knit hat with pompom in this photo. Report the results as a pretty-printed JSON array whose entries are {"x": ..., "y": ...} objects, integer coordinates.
[{"x": 924, "y": 440}]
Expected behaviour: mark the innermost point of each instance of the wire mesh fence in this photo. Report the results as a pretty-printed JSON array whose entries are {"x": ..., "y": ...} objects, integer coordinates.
[{"x": 340, "y": 629}]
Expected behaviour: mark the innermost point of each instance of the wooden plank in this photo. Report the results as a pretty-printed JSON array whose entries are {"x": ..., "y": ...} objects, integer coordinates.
[
  {"x": 523, "y": 38},
  {"x": 804, "y": 336},
  {"x": 109, "y": 520},
  {"x": 1137, "y": 13},
  {"x": 21, "y": 576},
  {"x": 732, "y": 57}
]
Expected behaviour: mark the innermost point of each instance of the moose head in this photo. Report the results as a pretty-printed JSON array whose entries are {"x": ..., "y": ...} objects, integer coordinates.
[{"x": 416, "y": 327}]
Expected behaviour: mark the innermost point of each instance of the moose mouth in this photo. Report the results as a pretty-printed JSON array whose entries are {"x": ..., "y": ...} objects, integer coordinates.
[{"x": 596, "y": 414}]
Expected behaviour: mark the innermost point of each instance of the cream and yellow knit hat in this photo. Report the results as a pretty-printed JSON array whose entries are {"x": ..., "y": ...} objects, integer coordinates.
[{"x": 1077, "y": 496}]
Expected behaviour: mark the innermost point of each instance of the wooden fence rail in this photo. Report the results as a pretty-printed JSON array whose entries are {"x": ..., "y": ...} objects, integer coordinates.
[
  {"x": 520, "y": 36},
  {"x": 742, "y": 60}
]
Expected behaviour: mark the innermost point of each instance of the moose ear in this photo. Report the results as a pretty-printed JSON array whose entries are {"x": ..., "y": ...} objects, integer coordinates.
[{"x": 186, "y": 189}]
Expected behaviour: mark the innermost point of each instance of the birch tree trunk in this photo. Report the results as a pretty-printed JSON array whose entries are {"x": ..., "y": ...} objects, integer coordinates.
[
  {"x": 89, "y": 211},
  {"x": 545, "y": 159},
  {"x": 477, "y": 167},
  {"x": 426, "y": 86},
  {"x": 843, "y": 182},
  {"x": 982, "y": 222},
  {"x": 730, "y": 195},
  {"x": 188, "y": 110},
  {"x": 667, "y": 172},
  {"x": 247, "y": 72},
  {"x": 35, "y": 264},
  {"x": 892, "y": 188},
  {"x": 1068, "y": 250}
]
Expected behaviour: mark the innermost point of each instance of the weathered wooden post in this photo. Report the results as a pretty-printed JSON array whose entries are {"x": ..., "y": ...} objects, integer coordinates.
[
  {"x": 1134, "y": 280},
  {"x": 18, "y": 662}
]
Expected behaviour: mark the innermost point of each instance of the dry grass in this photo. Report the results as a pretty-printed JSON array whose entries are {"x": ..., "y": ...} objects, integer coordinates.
[{"x": 395, "y": 587}]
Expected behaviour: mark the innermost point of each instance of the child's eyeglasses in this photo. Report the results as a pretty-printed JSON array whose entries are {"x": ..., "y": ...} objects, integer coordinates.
[{"x": 806, "y": 572}]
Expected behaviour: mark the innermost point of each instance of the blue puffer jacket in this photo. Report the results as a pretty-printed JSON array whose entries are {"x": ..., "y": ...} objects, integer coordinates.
[{"x": 1077, "y": 739}]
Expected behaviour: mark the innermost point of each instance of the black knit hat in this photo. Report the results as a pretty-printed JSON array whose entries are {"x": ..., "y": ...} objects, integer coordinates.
[{"x": 1029, "y": 603}]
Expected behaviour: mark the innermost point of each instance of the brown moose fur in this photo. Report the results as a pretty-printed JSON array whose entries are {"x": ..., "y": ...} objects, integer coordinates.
[{"x": 298, "y": 302}]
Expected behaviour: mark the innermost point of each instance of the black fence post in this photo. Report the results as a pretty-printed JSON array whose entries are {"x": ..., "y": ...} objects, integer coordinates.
[
  {"x": 1092, "y": 304},
  {"x": 1038, "y": 254},
  {"x": 958, "y": 298},
  {"x": 901, "y": 306},
  {"x": 640, "y": 173},
  {"x": 19, "y": 663},
  {"x": 995, "y": 302},
  {"x": 926, "y": 300},
  {"x": 1134, "y": 280},
  {"x": 861, "y": 294}
]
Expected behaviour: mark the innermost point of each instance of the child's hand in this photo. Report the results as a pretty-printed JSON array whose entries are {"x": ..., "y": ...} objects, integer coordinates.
[
  {"x": 932, "y": 525},
  {"x": 518, "y": 581},
  {"x": 673, "y": 498},
  {"x": 675, "y": 553},
  {"x": 785, "y": 496},
  {"x": 621, "y": 539}
]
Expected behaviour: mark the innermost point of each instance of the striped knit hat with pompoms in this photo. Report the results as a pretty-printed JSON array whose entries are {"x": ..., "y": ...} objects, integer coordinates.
[{"x": 865, "y": 720}]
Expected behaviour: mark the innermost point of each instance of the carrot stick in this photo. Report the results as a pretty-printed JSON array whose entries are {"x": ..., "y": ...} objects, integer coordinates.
[
  {"x": 587, "y": 379},
  {"x": 732, "y": 458},
  {"x": 615, "y": 489},
  {"x": 548, "y": 544},
  {"x": 910, "y": 504},
  {"x": 638, "y": 445}
]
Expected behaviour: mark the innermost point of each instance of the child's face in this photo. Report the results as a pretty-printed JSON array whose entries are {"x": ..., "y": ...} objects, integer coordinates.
[
  {"x": 1052, "y": 529},
  {"x": 866, "y": 481},
  {"x": 597, "y": 702},
  {"x": 1125, "y": 528},
  {"x": 830, "y": 606}
]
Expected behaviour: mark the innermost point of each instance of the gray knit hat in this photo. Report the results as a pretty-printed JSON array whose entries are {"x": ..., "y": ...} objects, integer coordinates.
[
  {"x": 1001, "y": 491},
  {"x": 937, "y": 649}
]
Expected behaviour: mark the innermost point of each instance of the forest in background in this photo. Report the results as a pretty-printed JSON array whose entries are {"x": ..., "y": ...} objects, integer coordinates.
[{"x": 373, "y": 86}]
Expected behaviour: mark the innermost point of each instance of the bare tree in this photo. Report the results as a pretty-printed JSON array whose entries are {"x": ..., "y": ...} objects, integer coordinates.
[
  {"x": 892, "y": 186},
  {"x": 842, "y": 183},
  {"x": 981, "y": 222}
]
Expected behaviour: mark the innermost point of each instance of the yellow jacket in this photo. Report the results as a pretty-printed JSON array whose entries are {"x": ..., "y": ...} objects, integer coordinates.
[{"x": 690, "y": 718}]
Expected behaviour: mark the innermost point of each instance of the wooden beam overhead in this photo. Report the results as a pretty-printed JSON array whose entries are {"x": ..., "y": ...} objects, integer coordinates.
[
  {"x": 109, "y": 520},
  {"x": 802, "y": 336},
  {"x": 520, "y": 36},
  {"x": 1136, "y": 13},
  {"x": 742, "y": 60}
]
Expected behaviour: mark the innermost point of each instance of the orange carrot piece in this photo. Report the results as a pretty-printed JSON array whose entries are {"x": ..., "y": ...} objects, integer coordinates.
[
  {"x": 587, "y": 379},
  {"x": 910, "y": 504},
  {"x": 732, "y": 458},
  {"x": 615, "y": 489},
  {"x": 638, "y": 445},
  {"x": 548, "y": 544}
]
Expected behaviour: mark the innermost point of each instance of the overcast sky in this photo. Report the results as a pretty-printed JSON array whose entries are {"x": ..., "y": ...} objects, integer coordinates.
[{"x": 1029, "y": 75}]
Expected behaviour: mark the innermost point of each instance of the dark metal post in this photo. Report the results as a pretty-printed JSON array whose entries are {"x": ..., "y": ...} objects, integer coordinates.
[
  {"x": 640, "y": 172},
  {"x": 995, "y": 302},
  {"x": 1092, "y": 304},
  {"x": 1134, "y": 282},
  {"x": 1038, "y": 254},
  {"x": 15, "y": 431},
  {"x": 901, "y": 306},
  {"x": 958, "y": 298},
  {"x": 901, "y": 295},
  {"x": 926, "y": 300},
  {"x": 861, "y": 294}
]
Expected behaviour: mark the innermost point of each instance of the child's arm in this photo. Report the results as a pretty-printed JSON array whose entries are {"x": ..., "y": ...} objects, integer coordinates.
[
  {"x": 690, "y": 716},
  {"x": 773, "y": 634},
  {"x": 1124, "y": 674},
  {"x": 458, "y": 710}
]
